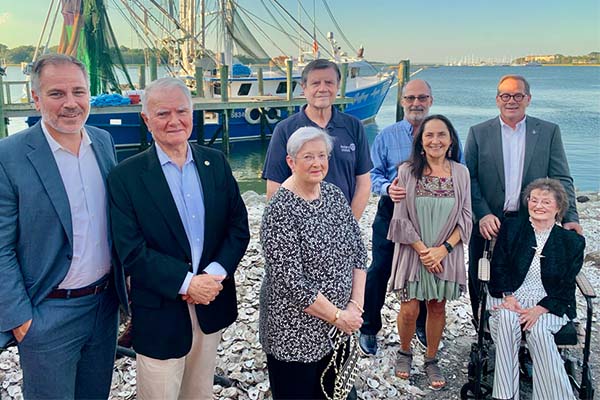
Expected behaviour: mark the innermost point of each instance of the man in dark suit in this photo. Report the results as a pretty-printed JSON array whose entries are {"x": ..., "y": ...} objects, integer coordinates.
[
  {"x": 504, "y": 155},
  {"x": 180, "y": 229},
  {"x": 58, "y": 291}
]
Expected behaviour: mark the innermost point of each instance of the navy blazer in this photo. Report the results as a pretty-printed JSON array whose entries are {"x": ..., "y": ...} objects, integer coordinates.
[
  {"x": 544, "y": 157},
  {"x": 561, "y": 262},
  {"x": 36, "y": 236},
  {"x": 152, "y": 245}
]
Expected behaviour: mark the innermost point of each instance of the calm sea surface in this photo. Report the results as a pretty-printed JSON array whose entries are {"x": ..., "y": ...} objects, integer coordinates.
[{"x": 568, "y": 96}]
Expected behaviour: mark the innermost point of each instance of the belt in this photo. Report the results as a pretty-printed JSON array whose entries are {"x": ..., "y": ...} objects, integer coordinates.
[
  {"x": 511, "y": 214},
  {"x": 73, "y": 293}
]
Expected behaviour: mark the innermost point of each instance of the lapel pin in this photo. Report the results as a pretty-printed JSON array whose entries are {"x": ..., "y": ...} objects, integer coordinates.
[
  {"x": 207, "y": 163},
  {"x": 534, "y": 132}
]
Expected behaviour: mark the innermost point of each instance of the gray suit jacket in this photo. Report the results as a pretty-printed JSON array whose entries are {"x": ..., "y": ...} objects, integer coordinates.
[
  {"x": 544, "y": 157},
  {"x": 36, "y": 237}
]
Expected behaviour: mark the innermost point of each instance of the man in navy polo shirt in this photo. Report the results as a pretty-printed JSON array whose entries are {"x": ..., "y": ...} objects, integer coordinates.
[{"x": 350, "y": 161}]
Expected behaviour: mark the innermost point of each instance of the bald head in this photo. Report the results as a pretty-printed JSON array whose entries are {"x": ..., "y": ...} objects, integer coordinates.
[{"x": 416, "y": 101}]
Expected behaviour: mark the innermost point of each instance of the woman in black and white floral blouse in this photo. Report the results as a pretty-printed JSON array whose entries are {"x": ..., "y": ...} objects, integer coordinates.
[{"x": 314, "y": 270}]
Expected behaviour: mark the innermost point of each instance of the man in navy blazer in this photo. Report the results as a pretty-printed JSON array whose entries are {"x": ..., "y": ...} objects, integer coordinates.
[
  {"x": 180, "y": 229},
  {"x": 504, "y": 155},
  {"x": 58, "y": 292}
]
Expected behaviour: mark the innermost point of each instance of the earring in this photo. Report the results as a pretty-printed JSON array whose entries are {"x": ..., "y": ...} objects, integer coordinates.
[
  {"x": 422, "y": 152},
  {"x": 450, "y": 152}
]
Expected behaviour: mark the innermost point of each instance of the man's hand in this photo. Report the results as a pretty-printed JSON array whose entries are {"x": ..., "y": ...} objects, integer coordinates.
[
  {"x": 573, "y": 226},
  {"x": 21, "y": 331},
  {"x": 489, "y": 226},
  {"x": 203, "y": 289},
  {"x": 396, "y": 192}
]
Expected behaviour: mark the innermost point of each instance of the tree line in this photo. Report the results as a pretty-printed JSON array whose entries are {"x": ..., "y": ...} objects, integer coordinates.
[{"x": 19, "y": 54}]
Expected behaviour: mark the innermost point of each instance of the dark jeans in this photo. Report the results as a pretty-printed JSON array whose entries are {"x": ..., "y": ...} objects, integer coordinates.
[
  {"x": 300, "y": 381},
  {"x": 380, "y": 270}
]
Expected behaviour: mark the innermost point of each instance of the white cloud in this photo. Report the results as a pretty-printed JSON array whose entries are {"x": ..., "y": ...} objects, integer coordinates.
[{"x": 4, "y": 17}]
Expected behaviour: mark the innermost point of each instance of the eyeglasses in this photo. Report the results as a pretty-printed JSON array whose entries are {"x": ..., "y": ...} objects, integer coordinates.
[
  {"x": 543, "y": 202},
  {"x": 421, "y": 98},
  {"x": 505, "y": 97},
  {"x": 310, "y": 158}
]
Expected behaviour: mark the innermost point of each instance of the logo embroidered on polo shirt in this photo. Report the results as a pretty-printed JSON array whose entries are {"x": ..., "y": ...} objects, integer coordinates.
[{"x": 347, "y": 148}]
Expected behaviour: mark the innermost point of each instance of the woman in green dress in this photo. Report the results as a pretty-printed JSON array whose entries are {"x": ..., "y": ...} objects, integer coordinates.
[{"x": 429, "y": 228}]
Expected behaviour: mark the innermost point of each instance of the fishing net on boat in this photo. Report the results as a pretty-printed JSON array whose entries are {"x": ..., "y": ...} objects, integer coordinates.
[
  {"x": 244, "y": 39},
  {"x": 88, "y": 36}
]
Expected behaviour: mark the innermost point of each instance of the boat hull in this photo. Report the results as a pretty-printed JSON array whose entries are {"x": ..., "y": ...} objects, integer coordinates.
[{"x": 128, "y": 130}]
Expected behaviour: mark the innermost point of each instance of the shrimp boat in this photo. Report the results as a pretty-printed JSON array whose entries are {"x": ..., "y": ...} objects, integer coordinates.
[{"x": 186, "y": 34}]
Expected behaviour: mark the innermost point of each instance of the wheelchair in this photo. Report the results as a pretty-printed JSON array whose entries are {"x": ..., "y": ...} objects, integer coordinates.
[{"x": 480, "y": 369}]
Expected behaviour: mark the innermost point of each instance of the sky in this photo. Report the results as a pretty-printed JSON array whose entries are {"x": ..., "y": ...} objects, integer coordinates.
[{"x": 434, "y": 31}]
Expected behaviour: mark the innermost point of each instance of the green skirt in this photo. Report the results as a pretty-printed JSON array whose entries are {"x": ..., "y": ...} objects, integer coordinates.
[{"x": 430, "y": 287}]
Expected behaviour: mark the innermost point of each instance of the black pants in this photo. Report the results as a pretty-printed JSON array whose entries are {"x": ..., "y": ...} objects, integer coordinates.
[
  {"x": 380, "y": 270},
  {"x": 476, "y": 247},
  {"x": 300, "y": 381}
]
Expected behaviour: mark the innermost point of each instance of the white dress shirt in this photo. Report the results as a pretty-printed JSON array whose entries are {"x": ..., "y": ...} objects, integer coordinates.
[
  {"x": 85, "y": 188},
  {"x": 513, "y": 151}
]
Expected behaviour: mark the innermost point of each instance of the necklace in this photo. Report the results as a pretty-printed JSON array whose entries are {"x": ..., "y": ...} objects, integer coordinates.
[{"x": 314, "y": 204}]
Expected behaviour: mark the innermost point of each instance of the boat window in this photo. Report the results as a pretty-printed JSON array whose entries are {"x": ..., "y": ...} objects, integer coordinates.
[
  {"x": 217, "y": 88},
  {"x": 282, "y": 87},
  {"x": 244, "y": 89}
]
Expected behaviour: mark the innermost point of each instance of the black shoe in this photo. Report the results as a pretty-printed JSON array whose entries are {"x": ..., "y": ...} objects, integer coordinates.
[
  {"x": 421, "y": 336},
  {"x": 368, "y": 344}
]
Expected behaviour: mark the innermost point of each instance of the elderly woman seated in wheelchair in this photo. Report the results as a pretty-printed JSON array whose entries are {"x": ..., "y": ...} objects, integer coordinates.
[{"x": 532, "y": 290}]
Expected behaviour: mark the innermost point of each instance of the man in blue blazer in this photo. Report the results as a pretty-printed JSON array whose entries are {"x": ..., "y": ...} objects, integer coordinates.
[
  {"x": 180, "y": 229},
  {"x": 58, "y": 292},
  {"x": 504, "y": 155}
]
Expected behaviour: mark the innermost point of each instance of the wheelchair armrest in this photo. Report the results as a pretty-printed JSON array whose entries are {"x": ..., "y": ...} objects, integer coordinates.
[{"x": 585, "y": 286}]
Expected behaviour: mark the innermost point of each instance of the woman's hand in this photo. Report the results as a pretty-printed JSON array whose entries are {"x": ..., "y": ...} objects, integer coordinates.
[
  {"x": 529, "y": 316},
  {"x": 350, "y": 320},
  {"x": 510, "y": 303},
  {"x": 432, "y": 258}
]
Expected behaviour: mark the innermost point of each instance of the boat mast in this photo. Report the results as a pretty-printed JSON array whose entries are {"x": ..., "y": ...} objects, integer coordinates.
[
  {"x": 226, "y": 16},
  {"x": 187, "y": 18}
]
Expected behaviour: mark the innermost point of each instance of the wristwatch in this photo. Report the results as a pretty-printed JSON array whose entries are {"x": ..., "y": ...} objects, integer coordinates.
[
  {"x": 448, "y": 247},
  {"x": 507, "y": 294}
]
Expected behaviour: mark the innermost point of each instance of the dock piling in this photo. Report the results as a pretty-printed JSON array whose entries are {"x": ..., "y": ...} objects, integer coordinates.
[
  {"x": 290, "y": 86},
  {"x": 224, "y": 75},
  {"x": 403, "y": 78},
  {"x": 153, "y": 68},
  {"x": 343, "y": 82},
  {"x": 199, "y": 76},
  {"x": 261, "y": 85},
  {"x": 3, "y": 121},
  {"x": 142, "y": 76}
]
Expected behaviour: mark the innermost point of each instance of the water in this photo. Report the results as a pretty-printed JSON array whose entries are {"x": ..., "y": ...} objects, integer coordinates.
[{"x": 567, "y": 96}]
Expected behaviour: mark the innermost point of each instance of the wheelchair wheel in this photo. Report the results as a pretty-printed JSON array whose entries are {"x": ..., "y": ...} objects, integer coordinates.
[{"x": 469, "y": 391}]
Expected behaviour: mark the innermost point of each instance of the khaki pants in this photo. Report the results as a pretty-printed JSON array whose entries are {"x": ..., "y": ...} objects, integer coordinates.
[{"x": 188, "y": 377}]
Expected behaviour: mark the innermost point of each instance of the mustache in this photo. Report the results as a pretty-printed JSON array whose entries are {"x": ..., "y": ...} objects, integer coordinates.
[{"x": 417, "y": 108}]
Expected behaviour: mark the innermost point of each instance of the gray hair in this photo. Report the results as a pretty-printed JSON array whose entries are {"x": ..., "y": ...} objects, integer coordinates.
[
  {"x": 164, "y": 84},
  {"x": 54, "y": 59},
  {"x": 553, "y": 186},
  {"x": 516, "y": 78},
  {"x": 305, "y": 134}
]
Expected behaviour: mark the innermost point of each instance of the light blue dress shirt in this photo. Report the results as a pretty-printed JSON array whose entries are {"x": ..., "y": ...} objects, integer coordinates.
[
  {"x": 186, "y": 189},
  {"x": 513, "y": 154},
  {"x": 391, "y": 147}
]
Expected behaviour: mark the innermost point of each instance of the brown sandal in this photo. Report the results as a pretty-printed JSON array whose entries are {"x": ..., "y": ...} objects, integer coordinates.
[
  {"x": 434, "y": 374},
  {"x": 403, "y": 365}
]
